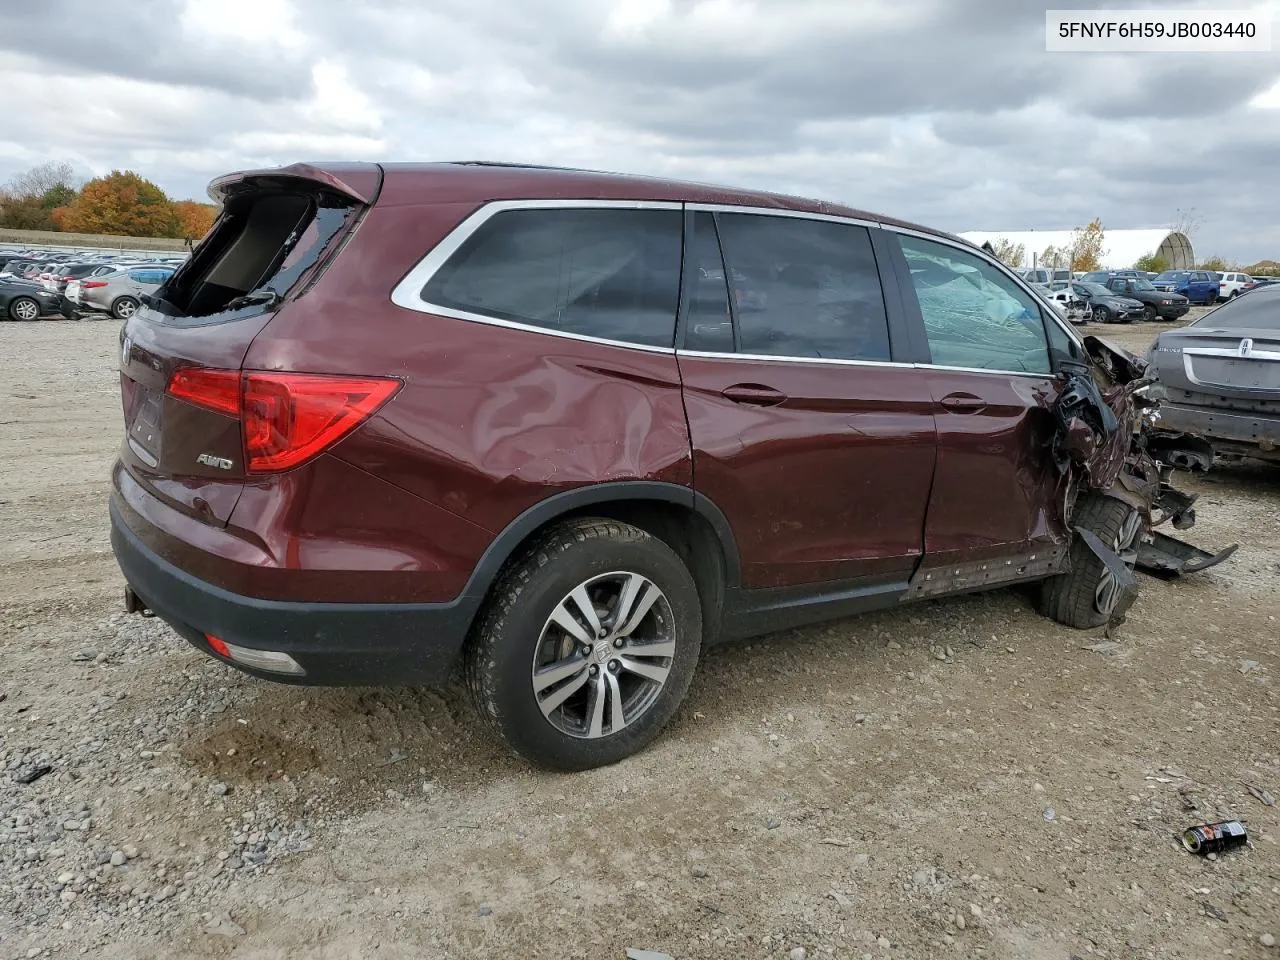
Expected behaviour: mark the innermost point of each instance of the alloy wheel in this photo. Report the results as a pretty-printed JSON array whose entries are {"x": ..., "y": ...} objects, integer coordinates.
[
  {"x": 604, "y": 655},
  {"x": 1107, "y": 594},
  {"x": 26, "y": 309}
]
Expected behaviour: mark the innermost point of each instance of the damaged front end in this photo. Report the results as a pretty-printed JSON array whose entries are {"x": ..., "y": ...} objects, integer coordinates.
[{"x": 1104, "y": 443}]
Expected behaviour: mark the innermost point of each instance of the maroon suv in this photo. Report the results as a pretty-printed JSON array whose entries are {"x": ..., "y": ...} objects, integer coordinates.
[{"x": 565, "y": 428}]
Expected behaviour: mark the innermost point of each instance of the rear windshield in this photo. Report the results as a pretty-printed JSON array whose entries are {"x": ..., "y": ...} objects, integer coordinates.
[
  {"x": 1256, "y": 310},
  {"x": 262, "y": 246}
]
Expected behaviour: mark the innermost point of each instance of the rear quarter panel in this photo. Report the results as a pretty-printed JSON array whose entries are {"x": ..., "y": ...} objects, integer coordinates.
[{"x": 491, "y": 419}]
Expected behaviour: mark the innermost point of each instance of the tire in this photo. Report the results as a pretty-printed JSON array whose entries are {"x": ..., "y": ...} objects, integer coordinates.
[
  {"x": 522, "y": 631},
  {"x": 1100, "y": 315},
  {"x": 1234, "y": 294},
  {"x": 1075, "y": 599},
  {"x": 122, "y": 308},
  {"x": 1149, "y": 313},
  {"x": 24, "y": 309}
]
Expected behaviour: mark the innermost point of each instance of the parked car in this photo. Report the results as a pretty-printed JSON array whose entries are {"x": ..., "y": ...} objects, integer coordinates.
[
  {"x": 1157, "y": 305},
  {"x": 118, "y": 292},
  {"x": 1044, "y": 276},
  {"x": 1219, "y": 376},
  {"x": 1232, "y": 283},
  {"x": 1101, "y": 304},
  {"x": 21, "y": 300},
  {"x": 1198, "y": 286},
  {"x": 63, "y": 275},
  {"x": 14, "y": 269},
  {"x": 567, "y": 428}
]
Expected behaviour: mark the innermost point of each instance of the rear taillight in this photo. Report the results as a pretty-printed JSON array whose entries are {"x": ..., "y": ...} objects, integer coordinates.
[
  {"x": 287, "y": 418},
  {"x": 92, "y": 284}
]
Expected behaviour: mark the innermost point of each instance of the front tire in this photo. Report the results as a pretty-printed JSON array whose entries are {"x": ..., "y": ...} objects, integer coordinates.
[
  {"x": 1149, "y": 313},
  {"x": 1088, "y": 595},
  {"x": 1100, "y": 315},
  {"x": 587, "y": 645},
  {"x": 24, "y": 308}
]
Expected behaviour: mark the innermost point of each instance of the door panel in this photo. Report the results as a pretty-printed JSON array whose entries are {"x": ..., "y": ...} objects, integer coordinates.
[
  {"x": 821, "y": 452},
  {"x": 829, "y": 484},
  {"x": 996, "y": 493}
]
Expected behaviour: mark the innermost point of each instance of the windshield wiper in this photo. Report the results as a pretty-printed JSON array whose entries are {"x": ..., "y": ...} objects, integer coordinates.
[{"x": 268, "y": 298}]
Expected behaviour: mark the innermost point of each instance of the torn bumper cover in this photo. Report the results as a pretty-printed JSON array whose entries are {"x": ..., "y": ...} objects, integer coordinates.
[{"x": 1104, "y": 443}]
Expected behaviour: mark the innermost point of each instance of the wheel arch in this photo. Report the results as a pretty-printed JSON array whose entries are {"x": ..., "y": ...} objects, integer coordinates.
[{"x": 688, "y": 522}]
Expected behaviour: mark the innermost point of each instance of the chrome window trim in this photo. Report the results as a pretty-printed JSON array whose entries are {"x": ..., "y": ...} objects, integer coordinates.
[
  {"x": 835, "y": 361},
  {"x": 779, "y": 212},
  {"x": 408, "y": 292}
]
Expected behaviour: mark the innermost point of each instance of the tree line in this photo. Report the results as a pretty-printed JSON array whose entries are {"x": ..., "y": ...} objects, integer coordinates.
[{"x": 122, "y": 203}]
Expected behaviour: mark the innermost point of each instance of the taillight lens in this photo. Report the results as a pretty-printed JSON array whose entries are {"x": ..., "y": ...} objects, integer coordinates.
[
  {"x": 91, "y": 284},
  {"x": 216, "y": 390},
  {"x": 287, "y": 418},
  {"x": 290, "y": 417}
]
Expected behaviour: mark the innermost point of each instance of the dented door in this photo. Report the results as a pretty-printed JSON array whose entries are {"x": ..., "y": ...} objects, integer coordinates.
[{"x": 995, "y": 509}]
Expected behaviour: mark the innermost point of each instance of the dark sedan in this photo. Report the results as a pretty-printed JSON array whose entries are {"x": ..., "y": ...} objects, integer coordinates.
[
  {"x": 26, "y": 301},
  {"x": 1219, "y": 377},
  {"x": 1103, "y": 305}
]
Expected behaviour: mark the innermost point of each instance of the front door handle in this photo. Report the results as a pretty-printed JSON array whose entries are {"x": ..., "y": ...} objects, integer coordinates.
[
  {"x": 963, "y": 403},
  {"x": 756, "y": 394}
]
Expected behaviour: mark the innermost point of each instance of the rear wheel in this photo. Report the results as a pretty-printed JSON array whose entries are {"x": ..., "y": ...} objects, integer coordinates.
[
  {"x": 1089, "y": 594},
  {"x": 122, "y": 308},
  {"x": 587, "y": 645},
  {"x": 24, "y": 308}
]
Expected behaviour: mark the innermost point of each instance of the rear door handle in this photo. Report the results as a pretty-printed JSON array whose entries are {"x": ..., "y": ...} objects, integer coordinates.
[
  {"x": 756, "y": 394},
  {"x": 963, "y": 403}
]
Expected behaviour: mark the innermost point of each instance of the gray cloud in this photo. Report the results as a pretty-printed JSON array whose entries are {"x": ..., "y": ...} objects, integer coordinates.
[{"x": 948, "y": 113}]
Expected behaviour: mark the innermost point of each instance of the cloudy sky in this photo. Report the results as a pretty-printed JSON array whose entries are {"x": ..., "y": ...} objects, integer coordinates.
[{"x": 948, "y": 112}]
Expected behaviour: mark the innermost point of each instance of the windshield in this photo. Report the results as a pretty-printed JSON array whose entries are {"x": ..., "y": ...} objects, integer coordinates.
[
  {"x": 1094, "y": 289},
  {"x": 1172, "y": 275},
  {"x": 1143, "y": 285}
]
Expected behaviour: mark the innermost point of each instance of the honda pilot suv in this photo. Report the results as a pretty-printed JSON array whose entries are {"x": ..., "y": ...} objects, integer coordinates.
[{"x": 565, "y": 429}]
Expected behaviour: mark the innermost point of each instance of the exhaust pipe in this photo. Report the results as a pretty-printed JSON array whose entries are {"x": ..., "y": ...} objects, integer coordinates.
[{"x": 135, "y": 604}]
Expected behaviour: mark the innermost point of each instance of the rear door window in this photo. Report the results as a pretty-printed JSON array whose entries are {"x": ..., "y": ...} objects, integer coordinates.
[
  {"x": 975, "y": 317},
  {"x": 804, "y": 288},
  {"x": 607, "y": 273}
]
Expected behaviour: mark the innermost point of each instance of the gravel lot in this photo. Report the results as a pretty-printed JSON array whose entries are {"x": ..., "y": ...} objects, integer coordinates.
[{"x": 959, "y": 778}]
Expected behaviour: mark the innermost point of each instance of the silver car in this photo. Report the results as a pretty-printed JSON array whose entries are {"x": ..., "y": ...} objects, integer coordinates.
[{"x": 119, "y": 293}]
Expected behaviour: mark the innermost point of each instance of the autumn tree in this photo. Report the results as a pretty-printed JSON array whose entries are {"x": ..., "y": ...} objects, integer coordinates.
[
  {"x": 1054, "y": 258},
  {"x": 1217, "y": 264},
  {"x": 195, "y": 218},
  {"x": 1152, "y": 263},
  {"x": 1008, "y": 252},
  {"x": 122, "y": 203},
  {"x": 28, "y": 200},
  {"x": 1086, "y": 246}
]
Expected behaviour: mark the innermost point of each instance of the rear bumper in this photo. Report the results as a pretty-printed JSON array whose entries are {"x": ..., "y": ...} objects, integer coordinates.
[
  {"x": 336, "y": 644},
  {"x": 1255, "y": 434}
]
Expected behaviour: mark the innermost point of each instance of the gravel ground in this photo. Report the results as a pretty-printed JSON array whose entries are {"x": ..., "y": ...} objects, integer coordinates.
[{"x": 958, "y": 778}]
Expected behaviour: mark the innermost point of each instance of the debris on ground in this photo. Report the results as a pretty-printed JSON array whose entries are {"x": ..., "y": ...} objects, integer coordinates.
[
  {"x": 1262, "y": 796},
  {"x": 636, "y": 954},
  {"x": 1210, "y": 839}
]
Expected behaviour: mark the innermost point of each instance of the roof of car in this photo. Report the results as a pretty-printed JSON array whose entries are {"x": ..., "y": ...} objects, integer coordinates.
[{"x": 483, "y": 181}]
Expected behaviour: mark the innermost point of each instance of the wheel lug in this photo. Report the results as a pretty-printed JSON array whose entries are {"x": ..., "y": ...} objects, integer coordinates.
[
  {"x": 613, "y": 666},
  {"x": 595, "y": 668},
  {"x": 619, "y": 642},
  {"x": 586, "y": 651},
  {"x": 602, "y": 633}
]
